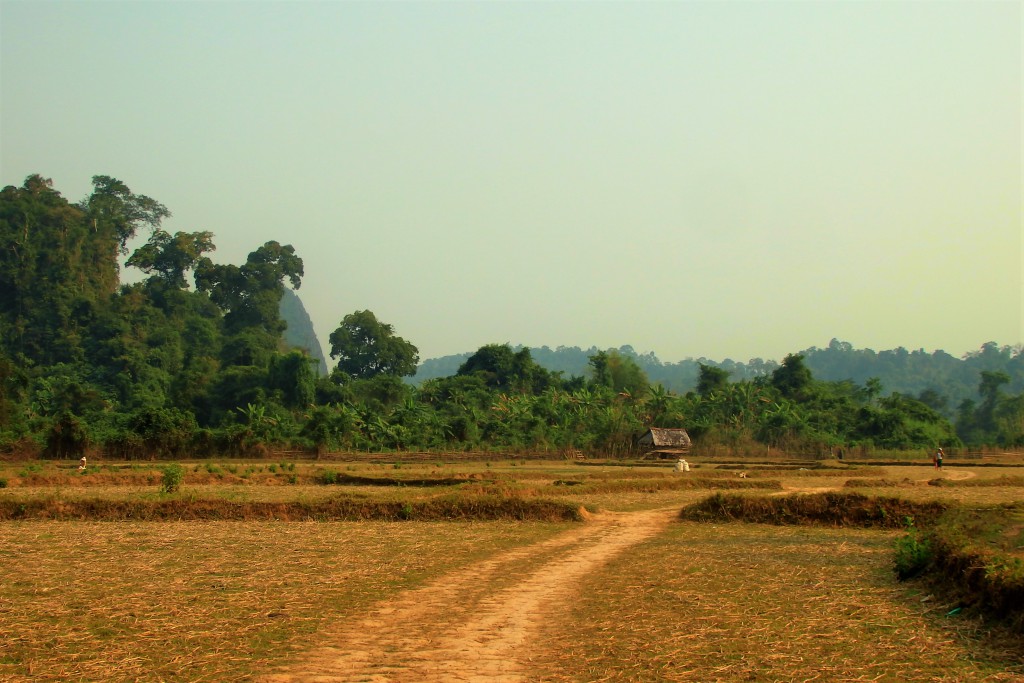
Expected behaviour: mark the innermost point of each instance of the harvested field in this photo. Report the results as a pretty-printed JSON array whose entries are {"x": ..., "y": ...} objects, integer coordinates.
[
  {"x": 743, "y": 602},
  {"x": 215, "y": 601},
  {"x": 545, "y": 590}
]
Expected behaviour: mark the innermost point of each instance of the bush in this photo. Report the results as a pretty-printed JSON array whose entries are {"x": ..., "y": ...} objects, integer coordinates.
[
  {"x": 913, "y": 555},
  {"x": 165, "y": 432},
  {"x": 173, "y": 475},
  {"x": 67, "y": 437}
]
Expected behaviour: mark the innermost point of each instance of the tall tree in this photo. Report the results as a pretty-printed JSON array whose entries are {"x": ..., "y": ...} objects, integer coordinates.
[
  {"x": 617, "y": 371},
  {"x": 711, "y": 380},
  {"x": 170, "y": 257},
  {"x": 504, "y": 369},
  {"x": 115, "y": 214},
  {"x": 793, "y": 379},
  {"x": 366, "y": 347},
  {"x": 58, "y": 261},
  {"x": 250, "y": 295}
]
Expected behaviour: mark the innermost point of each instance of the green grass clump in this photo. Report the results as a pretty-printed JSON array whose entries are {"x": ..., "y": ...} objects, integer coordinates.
[
  {"x": 913, "y": 554},
  {"x": 172, "y": 477}
]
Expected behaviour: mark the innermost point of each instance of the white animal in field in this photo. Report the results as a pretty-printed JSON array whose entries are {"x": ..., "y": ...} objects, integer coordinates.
[
  {"x": 743, "y": 475},
  {"x": 682, "y": 466}
]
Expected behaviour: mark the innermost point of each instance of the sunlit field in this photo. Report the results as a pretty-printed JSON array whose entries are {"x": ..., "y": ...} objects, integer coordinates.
[{"x": 230, "y": 597}]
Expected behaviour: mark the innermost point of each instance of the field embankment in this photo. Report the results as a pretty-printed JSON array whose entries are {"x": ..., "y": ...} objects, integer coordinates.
[
  {"x": 328, "y": 510},
  {"x": 829, "y": 508}
]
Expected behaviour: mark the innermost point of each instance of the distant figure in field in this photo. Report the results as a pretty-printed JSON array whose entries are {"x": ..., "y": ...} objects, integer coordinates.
[
  {"x": 81, "y": 464},
  {"x": 938, "y": 458},
  {"x": 682, "y": 466},
  {"x": 743, "y": 475}
]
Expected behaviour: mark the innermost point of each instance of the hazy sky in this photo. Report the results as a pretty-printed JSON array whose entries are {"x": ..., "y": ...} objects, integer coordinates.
[{"x": 697, "y": 179}]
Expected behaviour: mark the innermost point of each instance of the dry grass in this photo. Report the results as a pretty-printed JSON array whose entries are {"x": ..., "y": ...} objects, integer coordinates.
[
  {"x": 148, "y": 601},
  {"x": 743, "y": 602},
  {"x": 210, "y": 601}
]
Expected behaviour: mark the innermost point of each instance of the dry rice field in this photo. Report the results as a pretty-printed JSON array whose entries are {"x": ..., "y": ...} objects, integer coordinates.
[{"x": 630, "y": 594}]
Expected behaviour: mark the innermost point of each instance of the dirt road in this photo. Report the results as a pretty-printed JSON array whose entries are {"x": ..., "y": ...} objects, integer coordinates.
[{"x": 475, "y": 624}]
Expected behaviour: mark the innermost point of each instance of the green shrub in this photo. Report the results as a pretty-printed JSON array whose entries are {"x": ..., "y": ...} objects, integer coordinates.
[
  {"x": 913, "y": 555},
  {"x": 328, "y": 477},
  {"x": 29, "y": 470},
  {"x": 3, "y": 482},
  {"x": 173, "y": 475},
  {"x": 165, "y": 432},
  {"x": 67, "y": 437}
]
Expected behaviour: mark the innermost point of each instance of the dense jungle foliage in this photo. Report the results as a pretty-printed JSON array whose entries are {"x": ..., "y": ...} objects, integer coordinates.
[{"x": 193, "y": 360}]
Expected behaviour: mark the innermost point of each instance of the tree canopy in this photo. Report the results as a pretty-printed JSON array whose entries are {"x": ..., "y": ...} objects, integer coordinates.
[
  {"x": 366, "y": 347},
  {"x": 160, "y": 368}
]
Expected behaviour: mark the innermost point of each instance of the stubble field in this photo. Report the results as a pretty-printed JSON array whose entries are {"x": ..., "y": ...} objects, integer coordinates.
[{"x": 628, "y": 593}]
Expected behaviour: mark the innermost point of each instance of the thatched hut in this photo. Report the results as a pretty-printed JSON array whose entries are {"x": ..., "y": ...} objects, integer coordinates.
[{"x": 665, "y": 442}]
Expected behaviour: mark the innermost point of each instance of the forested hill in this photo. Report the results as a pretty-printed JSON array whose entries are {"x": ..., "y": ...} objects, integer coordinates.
[
  {"x": 300, "y": 333},
  {"x": 942, "y": 379}
]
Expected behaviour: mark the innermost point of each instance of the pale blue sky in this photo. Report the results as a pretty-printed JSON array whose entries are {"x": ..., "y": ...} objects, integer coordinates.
[{"x": 696, "y": 179}]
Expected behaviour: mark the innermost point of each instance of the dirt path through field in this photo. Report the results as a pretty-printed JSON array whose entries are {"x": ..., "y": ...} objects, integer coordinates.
[{"x": 475, "y": 624}]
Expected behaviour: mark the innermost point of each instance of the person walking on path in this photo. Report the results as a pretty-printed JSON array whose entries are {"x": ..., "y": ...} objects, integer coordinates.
[{"x": 938, "y": 458}]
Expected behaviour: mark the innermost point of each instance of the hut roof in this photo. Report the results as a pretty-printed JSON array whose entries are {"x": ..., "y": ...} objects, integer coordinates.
[{"x": 659, "y": 436}]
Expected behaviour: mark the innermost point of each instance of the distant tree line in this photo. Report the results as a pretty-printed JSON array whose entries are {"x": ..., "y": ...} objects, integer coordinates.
[
  {"x": 990, "y": 379},
  {"x": 193, "y": 360},
  {"x": 943, "y": 380}
]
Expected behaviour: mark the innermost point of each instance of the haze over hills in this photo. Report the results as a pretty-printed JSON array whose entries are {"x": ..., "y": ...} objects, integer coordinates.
[{"x": 945, "y": 380}]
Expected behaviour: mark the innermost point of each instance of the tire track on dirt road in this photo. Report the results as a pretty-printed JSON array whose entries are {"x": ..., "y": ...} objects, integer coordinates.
[{"x": 474, "y": 624}]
